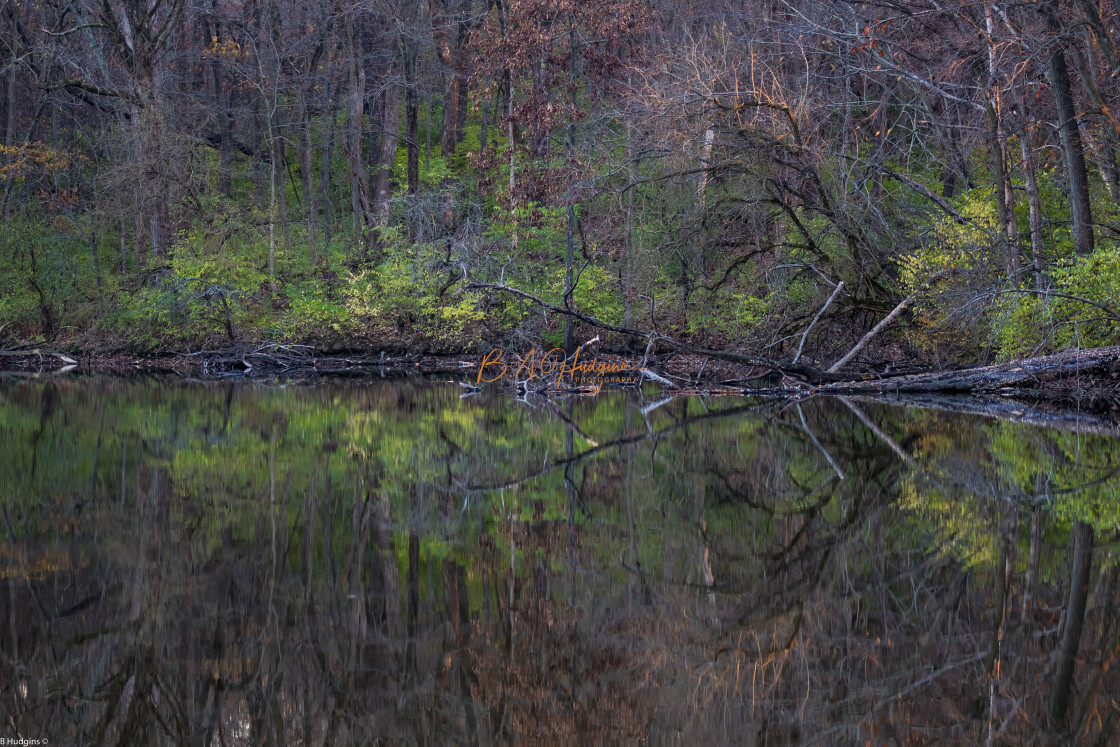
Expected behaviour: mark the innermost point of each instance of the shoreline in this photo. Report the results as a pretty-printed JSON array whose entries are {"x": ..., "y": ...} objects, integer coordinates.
[{"x": 1090, "y": 392}]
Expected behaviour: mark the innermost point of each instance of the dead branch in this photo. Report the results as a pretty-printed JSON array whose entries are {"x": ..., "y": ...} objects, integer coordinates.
[
  {"x": 886, "y": 320},
  {"x": 816, "y": 319}
]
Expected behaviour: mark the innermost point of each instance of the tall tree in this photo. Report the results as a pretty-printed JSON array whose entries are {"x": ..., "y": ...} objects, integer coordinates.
[{"x": 1081, "y": 212}]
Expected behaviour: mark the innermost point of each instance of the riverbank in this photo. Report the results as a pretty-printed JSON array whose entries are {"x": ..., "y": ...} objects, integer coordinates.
[{"x": 1079, "y": 381}]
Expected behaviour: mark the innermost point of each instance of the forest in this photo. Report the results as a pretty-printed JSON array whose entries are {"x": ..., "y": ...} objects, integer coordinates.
[{"x": 767, "y": 176}]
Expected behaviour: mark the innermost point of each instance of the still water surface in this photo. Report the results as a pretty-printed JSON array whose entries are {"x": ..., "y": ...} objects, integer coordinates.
[{"x": 393, "y": 563}]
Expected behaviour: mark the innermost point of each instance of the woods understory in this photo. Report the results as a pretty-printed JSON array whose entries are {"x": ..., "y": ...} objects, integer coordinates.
[{"x": 846, "y": 193}]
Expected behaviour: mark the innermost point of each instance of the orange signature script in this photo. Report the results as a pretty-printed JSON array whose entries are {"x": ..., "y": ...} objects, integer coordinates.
[{"x": 538, "y": 365}]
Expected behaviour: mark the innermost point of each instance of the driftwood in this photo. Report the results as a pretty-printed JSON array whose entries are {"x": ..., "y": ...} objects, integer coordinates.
[
  {"x": 288, "y": 359},
  {"x": 1016, "y": 374},
  {"x": 23, "y": 358}
]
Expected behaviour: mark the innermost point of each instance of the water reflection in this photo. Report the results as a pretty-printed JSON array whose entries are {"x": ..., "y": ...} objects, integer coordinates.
[{"x": 391, "y": 563}]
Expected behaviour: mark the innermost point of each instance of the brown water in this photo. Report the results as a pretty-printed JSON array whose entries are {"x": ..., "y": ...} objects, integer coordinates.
[{"x": 393, "y": 563}]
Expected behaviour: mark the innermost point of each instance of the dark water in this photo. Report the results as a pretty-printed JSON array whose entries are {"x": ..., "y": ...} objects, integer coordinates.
[{"x": 378, "y": 563}]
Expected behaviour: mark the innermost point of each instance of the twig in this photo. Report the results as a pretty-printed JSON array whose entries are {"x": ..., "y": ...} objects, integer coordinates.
[
  {"x": 1113, "y": 315},
  {"x": 930, "y": 678},
  {"x": 930, "y": 194},
  {"x": 654, "y": 405},
  {"x": 571, "y": 423},
  {"x": 879, "y": 432}
]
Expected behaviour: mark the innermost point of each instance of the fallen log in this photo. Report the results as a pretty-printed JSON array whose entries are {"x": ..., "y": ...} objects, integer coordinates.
[
  {"x": 991, "y": 378},
  {"x": 37, "y": 352}
]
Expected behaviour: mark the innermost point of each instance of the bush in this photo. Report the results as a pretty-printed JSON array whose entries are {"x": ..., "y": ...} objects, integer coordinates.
[
  {"x": 1038, "y": 323},
  {"x": 42, "y": 268}
]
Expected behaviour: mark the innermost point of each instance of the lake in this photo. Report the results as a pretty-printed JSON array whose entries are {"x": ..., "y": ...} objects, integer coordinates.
[{"x": 401, "y": 562}]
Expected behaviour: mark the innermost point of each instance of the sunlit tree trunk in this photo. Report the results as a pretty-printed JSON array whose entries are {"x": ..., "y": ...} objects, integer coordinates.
[
  {"x": 1005, "y": 194},
  {"x": 355, "y": 126},
  {"x": 387, "y": 156}
]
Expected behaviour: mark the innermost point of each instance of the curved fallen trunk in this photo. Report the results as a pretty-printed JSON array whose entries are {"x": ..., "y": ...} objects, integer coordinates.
[{"x": 1015, "y": 374}]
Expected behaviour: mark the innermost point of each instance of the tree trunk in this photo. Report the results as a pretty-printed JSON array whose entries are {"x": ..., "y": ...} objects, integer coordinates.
[
  {"x": 440, "y": 33},
  {"x": 359, "y": 200},
  {"x": 1081, "y": 214},
  {"x": 628, "y": 270},
  {"x": 306, "y": 170},
  {"x": 412, "y": 118},
  {"x": 225, "y": 166},
  {"x": 279, "y": 151},
  {"x": 330, "y": 115},
  {"x": 1005, "y": 194},
  {"x": 256, "y": 164},
  {"x": 225, "y": 121},
  {"x": 1034, "y": 554},
  {"x": 387, "y": 155},
  {"x": 272, "y": 160},
  {"x": 10, "y": 103},
  {"x": 1034, "y": 199},
  {"x": 990, "y": 378},
  {"x": 1105, "y": 145}
]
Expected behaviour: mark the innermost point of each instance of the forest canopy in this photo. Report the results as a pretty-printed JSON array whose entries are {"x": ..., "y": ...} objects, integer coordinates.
[{"x": 192, "y": 173}]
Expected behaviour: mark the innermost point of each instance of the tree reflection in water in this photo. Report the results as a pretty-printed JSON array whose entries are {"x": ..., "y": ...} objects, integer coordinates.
[{"x": 389, "y": 563}]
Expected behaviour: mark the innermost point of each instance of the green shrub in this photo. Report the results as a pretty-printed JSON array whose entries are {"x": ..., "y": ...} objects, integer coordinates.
[
  {"x": 47, "y": 281},
  {"x": 1042, "y": 323}
]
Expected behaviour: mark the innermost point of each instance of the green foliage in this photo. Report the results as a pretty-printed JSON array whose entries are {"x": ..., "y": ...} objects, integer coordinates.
[
  {"x": 729, "y": 314},
  {"x": 43, "y": 269},
  {"x": 596, "y": 294},
  {"x": 953, "y": 245},
  {"x": 404, "y": 292},
  {"x": 311, "y": 313},
  {"x": 539, "y": 228},
  {"x": 1039, "y": 322},
  {"x": 433, "y": 170},
  {"x": 974, "y": 478},
  {"x": 208, "y": 275}
]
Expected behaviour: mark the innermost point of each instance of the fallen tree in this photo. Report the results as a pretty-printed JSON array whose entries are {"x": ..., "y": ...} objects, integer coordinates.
[
  {"x": 986, "y": 379},
  {"x": 979, "y": 379}
]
